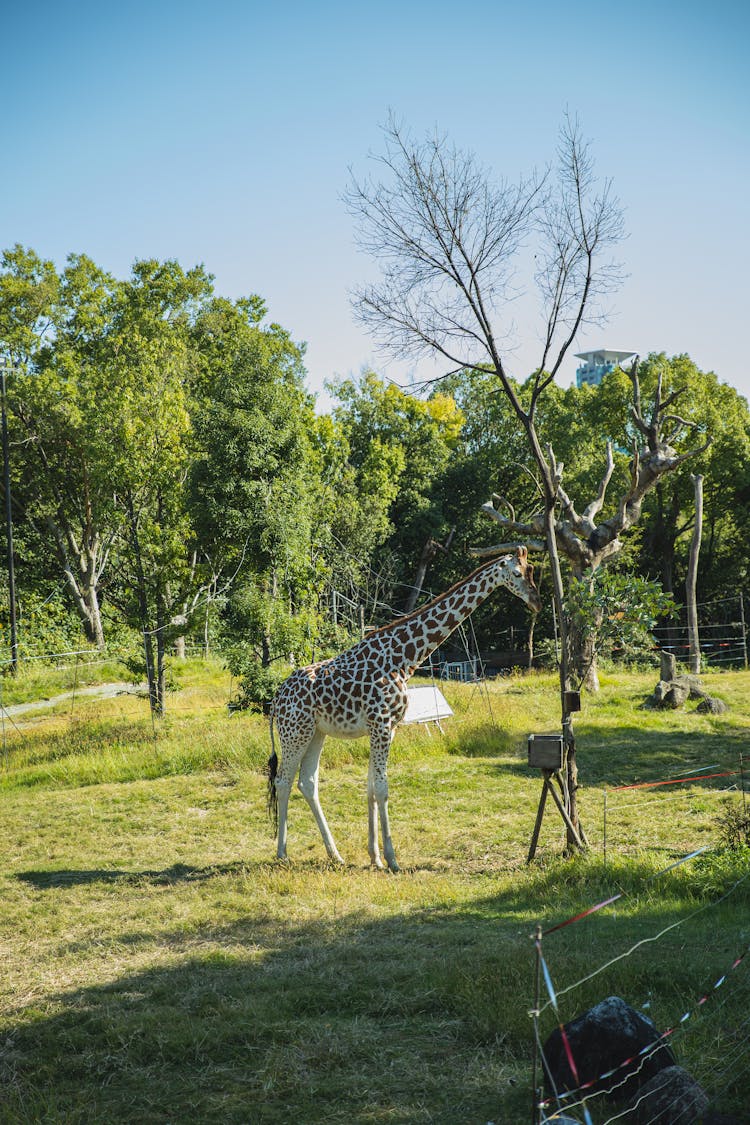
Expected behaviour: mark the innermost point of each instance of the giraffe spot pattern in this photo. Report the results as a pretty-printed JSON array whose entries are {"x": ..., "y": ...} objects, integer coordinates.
[{"x": 364, "y": 690}]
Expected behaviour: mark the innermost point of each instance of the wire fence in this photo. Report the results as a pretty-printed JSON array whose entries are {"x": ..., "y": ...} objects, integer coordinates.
[
  {"x": 601, "y": 1086},
  {"x": 697, "y": 792},
  {"x": 707, "y": 1021}
]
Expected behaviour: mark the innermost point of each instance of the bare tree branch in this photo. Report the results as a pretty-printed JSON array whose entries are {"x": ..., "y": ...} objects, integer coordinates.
[{"x": 500, "y": 548}]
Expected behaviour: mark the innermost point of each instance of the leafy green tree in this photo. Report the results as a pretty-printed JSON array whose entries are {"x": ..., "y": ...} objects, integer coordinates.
[
  {"x": 28, "y": 291},
  {"x": 717, "y": 409},
  {"x": 399, "y": 447},
  {"x": 250, "y": 480},
  {"x": 151, "y": 361},
  {"x": 101, "y": 410},
  {"x": 620, "y": 609},
  {"x": 58, "y": 399}
]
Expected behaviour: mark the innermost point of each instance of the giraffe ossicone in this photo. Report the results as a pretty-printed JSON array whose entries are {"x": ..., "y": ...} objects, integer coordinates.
[{"x": 362, "y": 692}]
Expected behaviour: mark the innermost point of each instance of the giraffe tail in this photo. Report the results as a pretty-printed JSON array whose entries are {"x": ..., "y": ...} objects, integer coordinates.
[{"x": 272, "y": 802}]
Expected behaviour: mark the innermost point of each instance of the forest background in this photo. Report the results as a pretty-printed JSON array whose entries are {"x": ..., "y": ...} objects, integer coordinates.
[{"x": 172, "y": 481}]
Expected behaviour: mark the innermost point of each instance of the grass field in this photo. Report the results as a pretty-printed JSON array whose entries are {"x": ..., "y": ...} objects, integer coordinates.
[{"x": 158, "y": 966}]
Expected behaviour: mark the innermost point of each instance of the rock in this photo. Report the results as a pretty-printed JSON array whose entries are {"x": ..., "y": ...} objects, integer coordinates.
[
  {"x": 660, "y": 691},
  {"x": 668, "y": 666},
  {"x": 601, "y": 1040},
  {"x": 673, "y": 691},
  {"x": 676, "y": 695},
  {"x": 693, "y": 684},
  {"x": 671, "y": 1097},
  {"x": 710, "y": 705}
]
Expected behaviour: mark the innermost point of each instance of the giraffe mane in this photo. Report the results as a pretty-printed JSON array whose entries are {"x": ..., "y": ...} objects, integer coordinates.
[{"x": 439, "y": 597}]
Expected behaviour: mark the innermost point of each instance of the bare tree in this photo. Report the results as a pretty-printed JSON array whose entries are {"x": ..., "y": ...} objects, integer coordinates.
[
  {"x": 448, "y": 242},
  {"x": 587, "y": 544}
]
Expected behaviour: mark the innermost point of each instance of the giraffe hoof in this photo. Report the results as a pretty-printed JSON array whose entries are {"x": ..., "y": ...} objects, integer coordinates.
[{"x": 376, "y": 861}]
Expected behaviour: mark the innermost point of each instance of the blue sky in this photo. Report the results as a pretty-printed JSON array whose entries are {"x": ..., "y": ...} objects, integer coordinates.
[{"x": 224, "y": 134}]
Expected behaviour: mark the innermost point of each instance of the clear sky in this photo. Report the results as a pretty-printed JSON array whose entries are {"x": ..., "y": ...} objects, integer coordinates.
[{"x": 223, "y": 133}]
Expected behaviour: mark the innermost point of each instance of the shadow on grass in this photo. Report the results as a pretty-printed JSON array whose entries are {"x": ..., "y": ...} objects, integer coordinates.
[
  {"x": 631, "y": 754},
  {"x": 410, "y": 1018},
  {"x": 177, "y": 873}
]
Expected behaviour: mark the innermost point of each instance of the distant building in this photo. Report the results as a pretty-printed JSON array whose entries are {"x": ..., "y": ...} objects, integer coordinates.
[{"x": 597, "y": 364}]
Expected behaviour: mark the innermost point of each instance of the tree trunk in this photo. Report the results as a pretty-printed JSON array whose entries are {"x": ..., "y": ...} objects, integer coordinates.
[
  {"x": 565, "y": 681},
  {"x": 692, "y": 577},
  {"x": 91, "y": 599},
  {"x": 142, "y": 596},
  {"x": 79, "y": 566},
  {"x": 428, "y": 554},
  {"x": 161, "y": 651},
  {"x": 582, "y": 650},
  {"x": 582, "y": 646},
  {"x": 429, "y": 551}
]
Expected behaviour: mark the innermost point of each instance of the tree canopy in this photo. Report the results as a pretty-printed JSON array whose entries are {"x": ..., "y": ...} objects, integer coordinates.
[{"x": 170, "y": 471}]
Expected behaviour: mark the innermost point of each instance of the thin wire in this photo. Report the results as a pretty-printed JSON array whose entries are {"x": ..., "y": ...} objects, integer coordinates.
[
  {"x": 648, "y": 940},
  {"x": 679, "y": 1029},
  {"x": 628, "y": 805}
]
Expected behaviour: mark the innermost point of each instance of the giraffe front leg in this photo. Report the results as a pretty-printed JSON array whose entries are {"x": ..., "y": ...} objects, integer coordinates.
[
  {"x": 308, "y": 787},
  {"x": 380, "y": 744}
]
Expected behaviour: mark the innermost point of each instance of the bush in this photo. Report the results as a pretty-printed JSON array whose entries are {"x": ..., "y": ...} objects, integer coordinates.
[
  {"x": 257, "y": 682},
  {"x": 734, "y": 825}
]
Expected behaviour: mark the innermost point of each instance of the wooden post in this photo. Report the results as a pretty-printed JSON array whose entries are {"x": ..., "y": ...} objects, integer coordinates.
[
  {"x": 744, "y": 630},
  {"x": 692, "y": 577},
  {"x": 605, "y": 827},
  {"x": 535, "y": 1017},
  {"x": 538, "y": 824}
]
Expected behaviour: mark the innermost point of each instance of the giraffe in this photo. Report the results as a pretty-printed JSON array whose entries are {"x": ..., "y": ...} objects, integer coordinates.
[{"x": 363, "y": 692}]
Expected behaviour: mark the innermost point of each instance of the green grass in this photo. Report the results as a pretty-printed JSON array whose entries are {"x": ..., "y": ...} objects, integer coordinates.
[{"x": 159, "y": 966}]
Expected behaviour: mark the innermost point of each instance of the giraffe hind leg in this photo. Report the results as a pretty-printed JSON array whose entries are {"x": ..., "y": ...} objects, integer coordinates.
[
  {"x": 308, "y": 787},
  {"x": 293, "y": 748}
]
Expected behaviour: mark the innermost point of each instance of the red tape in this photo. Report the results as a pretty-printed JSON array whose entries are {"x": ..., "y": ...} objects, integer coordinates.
[
  {"x": 673, "y": 781},
  {"x": 583, "y": 914}
]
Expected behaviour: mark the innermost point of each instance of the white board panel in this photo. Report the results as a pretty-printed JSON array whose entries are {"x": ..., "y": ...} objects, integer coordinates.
[{"x": 426, "y": 705}]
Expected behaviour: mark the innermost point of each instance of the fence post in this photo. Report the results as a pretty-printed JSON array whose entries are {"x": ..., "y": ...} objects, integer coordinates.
[
  {"x": 535, "y": 1019},
  {"x": 694, "y": 644},
  {"x": 744, "y": 630},
  {"x": 605, "y": 826}
]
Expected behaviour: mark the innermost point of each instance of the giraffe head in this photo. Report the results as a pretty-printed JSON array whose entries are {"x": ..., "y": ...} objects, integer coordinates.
[{"x": 517, "y": 573}]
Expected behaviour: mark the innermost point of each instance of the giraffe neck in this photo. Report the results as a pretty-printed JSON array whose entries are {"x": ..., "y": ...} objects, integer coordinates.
[{"x": 409, "y": 641}]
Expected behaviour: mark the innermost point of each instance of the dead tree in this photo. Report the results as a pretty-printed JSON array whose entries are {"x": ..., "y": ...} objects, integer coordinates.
[
  {"x": 447, "y": 239},
  {"x": 586, "y": 543},
  {"x": 430, "y": 549}
]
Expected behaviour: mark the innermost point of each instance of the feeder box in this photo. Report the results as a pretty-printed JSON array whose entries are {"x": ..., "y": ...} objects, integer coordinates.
[
  {"x": 546, "y": 751},
  {"x": 572, "y": 701}
]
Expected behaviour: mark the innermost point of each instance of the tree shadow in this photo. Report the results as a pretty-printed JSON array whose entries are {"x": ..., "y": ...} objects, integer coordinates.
[
  {"x": 340, "y": 1019},
  {"x": 177, "y": 873},
  {"x": 630, "y": 754}
]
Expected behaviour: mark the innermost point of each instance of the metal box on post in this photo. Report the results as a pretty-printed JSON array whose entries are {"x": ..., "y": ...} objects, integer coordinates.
[{"x": 546, "y": 751}]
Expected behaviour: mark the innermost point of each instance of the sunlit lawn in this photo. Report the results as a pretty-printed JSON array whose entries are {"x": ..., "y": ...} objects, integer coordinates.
[{"x": 159, "y": 966}]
